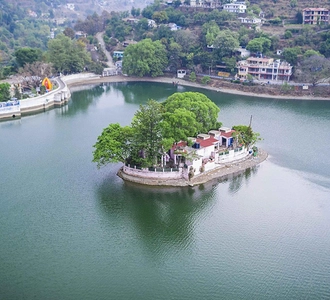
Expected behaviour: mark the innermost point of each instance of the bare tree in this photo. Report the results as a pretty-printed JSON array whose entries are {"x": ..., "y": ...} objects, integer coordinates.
[
  {"x": 313, "y": 69},
  {"x": 32, "y": 74}
]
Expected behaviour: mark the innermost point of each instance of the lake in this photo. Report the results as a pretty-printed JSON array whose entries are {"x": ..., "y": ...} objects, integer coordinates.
[{"x": 71, "y": 231}]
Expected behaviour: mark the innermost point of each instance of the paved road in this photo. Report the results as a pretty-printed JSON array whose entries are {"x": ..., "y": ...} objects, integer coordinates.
[{"x": 99, "y": 37}]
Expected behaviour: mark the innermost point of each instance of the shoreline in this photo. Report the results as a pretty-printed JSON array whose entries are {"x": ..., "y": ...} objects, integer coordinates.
[
  {"x": 169, "y": 80},
  {"x": 221, "y": 172}
]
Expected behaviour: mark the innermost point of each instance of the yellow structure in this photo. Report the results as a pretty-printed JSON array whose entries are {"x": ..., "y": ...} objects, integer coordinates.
[{"x": 47, "y": 84}]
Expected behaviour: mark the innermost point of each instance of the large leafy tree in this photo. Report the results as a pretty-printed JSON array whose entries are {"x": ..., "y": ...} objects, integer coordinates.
[
  {"x": 179, "y": 124},
  {"x": 154, "y": 129},
  {"x": 146, "y": 58},
  {"x": 204, "y": 110},
  {"x": 226, "y": 42},
  {"x": 113, "y": 145},
  {"x": 210, "y": 32},
  {"x": 291, "y": 55},
  {"x": 260, "y": 44},
  {"x": 66, "y": 55},
  {"x": 27, "y": 56},
  {"x": 4, "y": 91},
  {"x": 147, "y": 125}
]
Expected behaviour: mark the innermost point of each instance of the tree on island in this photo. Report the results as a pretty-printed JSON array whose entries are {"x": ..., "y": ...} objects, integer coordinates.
[
  {"x": 154, "y": 129},
  {"x": 245, "y": 135}
]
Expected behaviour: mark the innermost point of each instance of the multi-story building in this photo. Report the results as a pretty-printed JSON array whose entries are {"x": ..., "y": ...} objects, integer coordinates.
[
  {"x": 316, "y": 16},
  {"x": 205, "y": 3},
  {"x": 264, "y": 69},
  {"x": 235, "y": 7}
]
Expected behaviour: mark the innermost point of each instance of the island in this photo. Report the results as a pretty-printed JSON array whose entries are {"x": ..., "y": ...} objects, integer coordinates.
[{"x": 178, "y": 142}]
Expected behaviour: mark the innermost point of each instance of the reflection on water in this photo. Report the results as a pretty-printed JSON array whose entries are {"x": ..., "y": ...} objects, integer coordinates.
[
  {"x": 134, "y": 92},
  {"x": 164, "y": 217},
  {"x": 81, "y": 99}
]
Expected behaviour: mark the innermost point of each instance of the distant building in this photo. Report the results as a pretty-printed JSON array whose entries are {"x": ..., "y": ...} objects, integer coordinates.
[
  {"x": 243, "y": 52},
  {"x": 205, "y": 3},
  {"x": 315, "y": 16},
  {"x": 32, "y": 13},
  {"x": 151, "y": 23},
  {"x": 235, "y": 7},
  {"x": 264, "y": 69},
  {"x": 173, "y": 26},
  {"x": 80, "y": 34},
  {"x": 249, "y": 20},
  {"x": 109, "y": 72},
  {"x": 70, "y": 6},
  {"x": 118, "y": 55}
]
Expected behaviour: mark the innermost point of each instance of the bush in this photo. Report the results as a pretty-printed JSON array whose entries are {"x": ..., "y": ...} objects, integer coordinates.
[
  {"x": 192, "y": 77},
  {"x": 206, "y": 79}
]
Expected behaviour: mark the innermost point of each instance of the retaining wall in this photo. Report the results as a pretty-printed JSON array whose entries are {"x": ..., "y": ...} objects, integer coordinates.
[{"x": 55, "y": 98}]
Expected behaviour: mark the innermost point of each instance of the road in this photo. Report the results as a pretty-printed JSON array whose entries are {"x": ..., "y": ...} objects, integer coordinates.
[{"x": 99, "y": 37}]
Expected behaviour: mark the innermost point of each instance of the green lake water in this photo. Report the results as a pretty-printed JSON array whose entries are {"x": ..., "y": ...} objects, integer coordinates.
[{"x": 70, "y": 231}]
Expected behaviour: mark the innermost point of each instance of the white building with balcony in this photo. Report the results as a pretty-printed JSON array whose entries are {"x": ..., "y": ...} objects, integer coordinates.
[
  {"x": 235, "y": 7},
  {"x": 264, "y": 69}
]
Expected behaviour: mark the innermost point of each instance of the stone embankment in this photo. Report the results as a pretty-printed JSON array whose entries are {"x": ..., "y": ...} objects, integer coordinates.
[
  {"x": 55, "y": 98},
  {"x": 220, "y": 172}
]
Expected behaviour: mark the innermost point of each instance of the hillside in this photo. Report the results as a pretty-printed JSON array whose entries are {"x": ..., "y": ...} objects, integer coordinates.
[{"x": 287, "y": 8}]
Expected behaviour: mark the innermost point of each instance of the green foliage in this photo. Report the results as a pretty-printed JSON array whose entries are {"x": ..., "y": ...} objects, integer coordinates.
[
  {"x": 179, "y": 124},
  {"x": 299, "y": 17},
  {"x": 160, "y": 17},
  {"x": 206, "y": 79},
  {"x": 4, "y": 91},
  {"x": 113, "y": 145},
  {"x": 27, "y": 56},
  {"x": 211, "y": 30},
  {"x": 230, "y": 63},
  {"x": 245, "y": 135},
  {"x": 277, "y": 21},
  {"x": 174, "y": 54},
  {"x": 135, "y": 12},
  {"x": 154, "y": 129},
  {"x": 291, "y": 55},
  {"x": 311, "y": 52},
  {"x": 261, "y": 44},
  {"x": 192, "y": 77},
  {"x": 226, "y": 42},
  {"x": 287, "y": 34},
  {"x": 147, "y": 126},
  {"x": 206, "y": 112},
  {"x": 146, "y": 58},
  {"x": 285, "y": 87},
  {"x": 66, "y": 55}
]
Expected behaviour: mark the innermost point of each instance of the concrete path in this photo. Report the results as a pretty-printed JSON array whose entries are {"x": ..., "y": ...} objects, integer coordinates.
[{"x": 99, "y": 37}]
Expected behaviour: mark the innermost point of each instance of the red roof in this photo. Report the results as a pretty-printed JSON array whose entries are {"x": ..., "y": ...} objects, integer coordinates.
[
  {"x": 179, "y": 144},
  {"x": 208, "y": 142},
  {"x": 227, "y": 134}
]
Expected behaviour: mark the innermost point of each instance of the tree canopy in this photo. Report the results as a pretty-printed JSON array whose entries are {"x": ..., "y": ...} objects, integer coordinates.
[
  {"x": 246, "y": 136},
  {"x": 145, "y": 58},
  {"x": 27, "y": 56},
  {"x": 66, "y": 55},
  {"x": 154, "y": 129}
]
